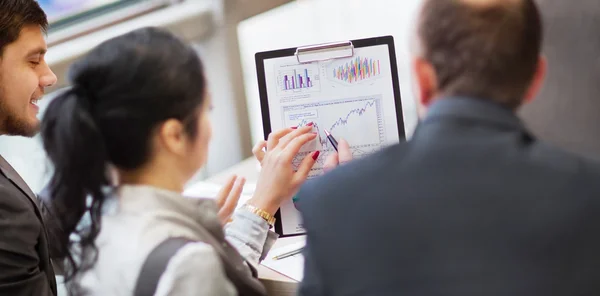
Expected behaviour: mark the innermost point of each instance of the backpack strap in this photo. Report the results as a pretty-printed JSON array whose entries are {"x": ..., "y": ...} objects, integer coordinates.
[{"x": 156, "y": 263}]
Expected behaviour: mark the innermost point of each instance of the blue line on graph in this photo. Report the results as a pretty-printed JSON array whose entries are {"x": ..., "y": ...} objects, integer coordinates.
[
  {"x": 342, "y": 120},
  {"x": 357, "y": 151}
]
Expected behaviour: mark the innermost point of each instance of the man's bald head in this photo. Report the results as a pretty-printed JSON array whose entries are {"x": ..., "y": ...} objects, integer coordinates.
[{"x": 481, "y": 48}]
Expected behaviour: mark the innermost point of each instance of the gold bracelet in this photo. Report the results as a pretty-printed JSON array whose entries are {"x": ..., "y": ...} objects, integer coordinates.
[{"x": 261, "y": 213}]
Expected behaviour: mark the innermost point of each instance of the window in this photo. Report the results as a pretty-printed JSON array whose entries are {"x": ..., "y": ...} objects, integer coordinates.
[
  {"x": 61, "y": 12},
  {"x": 70, "y": 19},
  {"x": 58, "y": 10}
]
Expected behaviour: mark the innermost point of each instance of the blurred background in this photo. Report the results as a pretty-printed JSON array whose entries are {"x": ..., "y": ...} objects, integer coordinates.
[{"x": 227, "y": 34}]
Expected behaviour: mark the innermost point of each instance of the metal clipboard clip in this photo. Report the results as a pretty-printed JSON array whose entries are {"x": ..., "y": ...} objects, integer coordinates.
[{"x": 325, "y": 51}]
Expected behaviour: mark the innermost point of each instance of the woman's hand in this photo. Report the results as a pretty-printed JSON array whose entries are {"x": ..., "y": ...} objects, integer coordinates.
[
  {"x": 228, "y": 197},
  {"x": 334, "y": 159},
  {"x": 278, "y": 181},
  {"x": 259, "y": 150}
]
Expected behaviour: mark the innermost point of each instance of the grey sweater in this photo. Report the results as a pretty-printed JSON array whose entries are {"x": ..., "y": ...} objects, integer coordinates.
[{"x": 144, "y": 217}]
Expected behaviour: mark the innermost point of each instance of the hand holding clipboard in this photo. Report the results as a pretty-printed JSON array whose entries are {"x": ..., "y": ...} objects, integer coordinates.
[{"x": 349, "y": 89}]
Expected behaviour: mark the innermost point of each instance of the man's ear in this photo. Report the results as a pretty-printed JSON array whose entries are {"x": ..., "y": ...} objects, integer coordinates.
[
  {"x": 426, "y": 81},
  {"x": 538, "y": 80}
]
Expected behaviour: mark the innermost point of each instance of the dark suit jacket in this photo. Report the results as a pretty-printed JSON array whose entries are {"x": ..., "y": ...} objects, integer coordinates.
[
  {"x": 25, "y": 267},
  {"x": 472, "y": 205}
]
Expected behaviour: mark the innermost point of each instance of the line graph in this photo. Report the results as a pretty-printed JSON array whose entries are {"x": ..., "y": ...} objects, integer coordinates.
[
  {"x": 357, "y": 120},
  {"x": 344, "y": 119}
]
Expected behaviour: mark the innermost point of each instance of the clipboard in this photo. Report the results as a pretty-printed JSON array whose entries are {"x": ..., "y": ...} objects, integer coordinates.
[{"x": 301, "y": 84}]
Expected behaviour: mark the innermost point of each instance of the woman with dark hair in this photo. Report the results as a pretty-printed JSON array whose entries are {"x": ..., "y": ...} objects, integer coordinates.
[{"x": 138, "y": 110}]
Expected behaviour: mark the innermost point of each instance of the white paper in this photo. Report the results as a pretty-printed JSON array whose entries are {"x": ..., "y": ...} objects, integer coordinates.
[
  {"x": 292, "y": 267},
  {"x": 353, "y": 98}
]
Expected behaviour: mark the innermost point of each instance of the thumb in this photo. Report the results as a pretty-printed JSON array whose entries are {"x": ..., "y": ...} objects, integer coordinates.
[
  {"x": 344, "y": 152},
  {"x": 331, "y": 162},
  {"x": 304, "y": 169}
]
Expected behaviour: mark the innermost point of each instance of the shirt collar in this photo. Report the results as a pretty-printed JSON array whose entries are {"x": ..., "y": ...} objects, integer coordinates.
[{"x": 473, "y": 109}]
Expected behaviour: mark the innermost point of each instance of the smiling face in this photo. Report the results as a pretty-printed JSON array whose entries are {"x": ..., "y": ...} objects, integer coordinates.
[{"x": 23, "y": 76}]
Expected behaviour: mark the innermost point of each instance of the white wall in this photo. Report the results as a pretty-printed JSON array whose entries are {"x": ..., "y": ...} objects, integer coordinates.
[{"x": 318, "y": 21}]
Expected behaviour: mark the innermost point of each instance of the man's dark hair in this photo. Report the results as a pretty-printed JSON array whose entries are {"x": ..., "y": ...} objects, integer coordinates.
[
  {"x": 14, "y": 15},
  {"x": 482, "y": 49}
]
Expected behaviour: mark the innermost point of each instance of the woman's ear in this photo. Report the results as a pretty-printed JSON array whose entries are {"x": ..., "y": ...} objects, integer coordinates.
[{"x": 172, "y": 137}]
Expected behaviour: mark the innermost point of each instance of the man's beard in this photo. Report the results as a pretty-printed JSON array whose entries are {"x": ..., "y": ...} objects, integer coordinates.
[{"x": 12, "y": 124}]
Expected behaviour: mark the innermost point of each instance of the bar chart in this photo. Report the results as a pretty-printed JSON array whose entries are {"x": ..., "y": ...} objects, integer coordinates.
[
  {"x": 299, "y": 79},
  {"x": 356, "y": 70},
  {"x": 296, "y": 80}
]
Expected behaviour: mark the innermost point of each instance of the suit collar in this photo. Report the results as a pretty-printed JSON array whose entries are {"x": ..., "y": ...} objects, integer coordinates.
[
  {"x": 9, "y": 172},
  {"x": 475, "y": 110}
]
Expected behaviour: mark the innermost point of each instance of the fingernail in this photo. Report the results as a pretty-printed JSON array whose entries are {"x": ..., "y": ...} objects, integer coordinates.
[
  {"x": 294, "y": 127},
  {"x": 316, "y": 155},
  {"x": 310, "y": 124}
]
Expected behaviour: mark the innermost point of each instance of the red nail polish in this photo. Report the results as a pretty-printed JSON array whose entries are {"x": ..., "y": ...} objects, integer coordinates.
[
  {"x": 316, "y": 155},
  {"x": 294, "y": 127},
  {"x": 310, "y": 124}
]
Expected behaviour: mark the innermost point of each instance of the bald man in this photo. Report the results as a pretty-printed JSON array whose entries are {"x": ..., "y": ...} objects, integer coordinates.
[
  {"x": 474, "y": 204},
  {"x": 568, "y": 115}
]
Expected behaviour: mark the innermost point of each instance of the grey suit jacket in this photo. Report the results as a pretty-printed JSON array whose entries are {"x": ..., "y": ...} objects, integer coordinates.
[
  {"x": 472, "y": 205},
  {"x": 25, "y": 266}
]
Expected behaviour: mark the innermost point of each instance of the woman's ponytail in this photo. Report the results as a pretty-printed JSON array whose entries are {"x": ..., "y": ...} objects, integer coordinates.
[
  {"x": 124, "y": 89},
  {"x": 76, "y": 148}
]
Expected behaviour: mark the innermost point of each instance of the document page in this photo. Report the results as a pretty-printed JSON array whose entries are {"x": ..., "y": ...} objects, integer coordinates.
[{"x": 352, "y": 98}]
